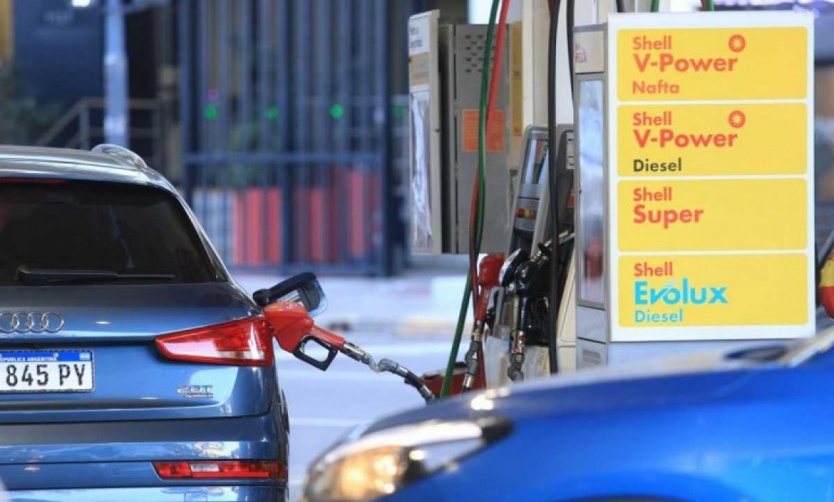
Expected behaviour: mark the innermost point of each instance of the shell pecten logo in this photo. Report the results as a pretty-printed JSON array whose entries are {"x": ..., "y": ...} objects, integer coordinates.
[
  {"x": 737, "y": 43},
  {"x": 737, "y": 119}
]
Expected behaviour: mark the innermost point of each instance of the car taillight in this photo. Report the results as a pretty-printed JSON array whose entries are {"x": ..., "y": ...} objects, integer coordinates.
[
  {"x": 247, "y": 342},
  {"x": 228, "y": 469}
]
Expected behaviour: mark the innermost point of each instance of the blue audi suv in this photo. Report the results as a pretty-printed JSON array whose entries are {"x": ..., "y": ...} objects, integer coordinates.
[{"x": 132, "y": 367}]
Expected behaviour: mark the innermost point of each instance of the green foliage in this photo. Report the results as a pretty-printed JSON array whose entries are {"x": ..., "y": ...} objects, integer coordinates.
[
  {"x": 244, "y": 138},
  {"x": 22, "y": 118}
]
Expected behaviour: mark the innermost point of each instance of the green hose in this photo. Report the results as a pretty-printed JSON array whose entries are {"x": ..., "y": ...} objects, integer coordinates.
[{"x": 464, "y": 306}]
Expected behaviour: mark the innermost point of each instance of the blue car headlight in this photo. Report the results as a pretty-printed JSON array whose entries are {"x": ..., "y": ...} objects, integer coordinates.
[{"x": 382, "y": 462}]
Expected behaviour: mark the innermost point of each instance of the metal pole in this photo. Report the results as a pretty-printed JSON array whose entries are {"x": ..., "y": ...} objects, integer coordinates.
[
  {"x": 383, "y": 111},
  {"x": 186, "y": 99},
  {"x": 283, "y": 82},
  {"x": 115, "y": 71}
]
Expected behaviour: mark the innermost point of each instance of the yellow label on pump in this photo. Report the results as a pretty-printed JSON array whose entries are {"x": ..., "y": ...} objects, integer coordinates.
[
  {"x": 712, "y": 64},
  {"x": 712, "y": 140},
  {"x": 419, "y": 69},
  {"x": 716, "y": 290},
  {"x": 712, "y": 215}
]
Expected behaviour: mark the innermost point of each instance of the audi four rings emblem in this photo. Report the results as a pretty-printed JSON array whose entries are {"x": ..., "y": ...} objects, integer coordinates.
[{"x": 30, "y": 322}]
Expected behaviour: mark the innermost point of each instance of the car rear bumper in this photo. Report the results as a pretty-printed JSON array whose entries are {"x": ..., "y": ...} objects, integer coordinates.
[
  {"x": 167, "y": 494},
  {"x": 107, "y": 458}
]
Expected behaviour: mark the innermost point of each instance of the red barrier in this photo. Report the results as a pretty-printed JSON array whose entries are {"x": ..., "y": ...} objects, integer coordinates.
[
  {"x": 357, "y": 200},
  {"x": 248, "y": 226},
  {"x": 328, "y": 220},
  {"x": 275, "y": 206},
  {"x": 318, "y": 215}
]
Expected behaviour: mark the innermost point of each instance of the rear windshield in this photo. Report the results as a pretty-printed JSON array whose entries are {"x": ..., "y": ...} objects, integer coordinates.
[{"x": 125, "y": 229}]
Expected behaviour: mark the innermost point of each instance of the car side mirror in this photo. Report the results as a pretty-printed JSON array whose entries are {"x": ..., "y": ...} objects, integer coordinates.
[{"x": 303, "y": 288}]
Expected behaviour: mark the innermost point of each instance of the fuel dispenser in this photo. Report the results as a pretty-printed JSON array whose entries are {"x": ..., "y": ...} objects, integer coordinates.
[
  {"x": 519, "y": 343},
  {"x": 445, "y": 71},
  {"x": 683, "y": 138},
  {"x": 695, "y": 173}
]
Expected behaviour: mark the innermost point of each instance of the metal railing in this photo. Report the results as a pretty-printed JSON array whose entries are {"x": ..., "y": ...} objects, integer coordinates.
[
  {"x": 82, "y": 126},
  {"x": 294, "y": 137}
]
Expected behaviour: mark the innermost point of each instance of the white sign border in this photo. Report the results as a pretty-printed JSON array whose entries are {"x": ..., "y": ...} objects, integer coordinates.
[{"x": 706, "y": 20}]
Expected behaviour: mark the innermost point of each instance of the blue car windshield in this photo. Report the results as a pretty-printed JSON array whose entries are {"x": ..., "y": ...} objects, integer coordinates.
[{"x": 126, "y": 231}]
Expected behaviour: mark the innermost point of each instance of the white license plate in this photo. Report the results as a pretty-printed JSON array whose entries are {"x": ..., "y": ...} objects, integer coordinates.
[{"x": 46, "y": 371}]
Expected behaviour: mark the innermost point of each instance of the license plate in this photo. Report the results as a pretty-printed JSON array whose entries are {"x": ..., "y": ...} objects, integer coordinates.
[{"x": 46, "y": 371}]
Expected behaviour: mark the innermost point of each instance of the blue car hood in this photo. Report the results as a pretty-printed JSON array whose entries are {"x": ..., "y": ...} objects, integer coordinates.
[{"x": 678, "y": 381}]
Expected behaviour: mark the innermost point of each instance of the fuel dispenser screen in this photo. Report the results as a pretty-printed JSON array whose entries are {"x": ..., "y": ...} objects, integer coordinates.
[
  {"x": 534, "y": 169},
  {"x": 591, "y": 117}
]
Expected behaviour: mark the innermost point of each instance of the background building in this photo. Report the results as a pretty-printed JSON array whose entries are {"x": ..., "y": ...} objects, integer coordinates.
[{"x": 282, "y": 121}]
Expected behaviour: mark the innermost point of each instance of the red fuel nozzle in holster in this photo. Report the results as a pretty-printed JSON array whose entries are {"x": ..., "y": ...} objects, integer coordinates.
[
  {"x": 294, "y": 328},
  {"x": 488, "y": 272}
]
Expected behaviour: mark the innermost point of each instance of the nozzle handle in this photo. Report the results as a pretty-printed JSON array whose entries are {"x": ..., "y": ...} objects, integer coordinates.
[{"x": 321, "y": 364}]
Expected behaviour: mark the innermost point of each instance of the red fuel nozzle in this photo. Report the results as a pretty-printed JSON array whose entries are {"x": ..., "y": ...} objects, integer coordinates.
[
  {"x": 488, "y": 278},
  {"x": 291, "y": 323},
  {"x": 488, "y": 272},
  {"x": 293, "y": 328}
]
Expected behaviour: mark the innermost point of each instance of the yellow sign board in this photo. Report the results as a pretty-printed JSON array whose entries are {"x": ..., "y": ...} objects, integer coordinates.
[
  {"x": 713, "y": 290},
  {"x": 710, "y": 181},
  {"x": 737, "y": 63},
  {"x": 712, "y": 140},
  {"x": 712, "y": 215}
]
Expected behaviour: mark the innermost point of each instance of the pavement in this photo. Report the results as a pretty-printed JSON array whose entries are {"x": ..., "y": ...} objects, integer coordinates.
[
  {"x": 410, "y": 318},
  {"x": 422, "y": 301}
]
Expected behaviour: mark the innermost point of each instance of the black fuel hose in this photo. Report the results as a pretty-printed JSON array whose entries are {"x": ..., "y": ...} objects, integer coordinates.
[
  {"x": 555, "y": 299},
  {"x": 570, "y": 18}
]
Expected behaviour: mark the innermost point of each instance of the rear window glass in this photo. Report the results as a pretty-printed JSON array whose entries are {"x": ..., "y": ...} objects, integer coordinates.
[{"x": 82, "y": 226}]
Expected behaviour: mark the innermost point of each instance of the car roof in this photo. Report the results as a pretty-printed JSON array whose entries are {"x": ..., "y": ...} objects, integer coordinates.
[{"x": 111, "y": 164}]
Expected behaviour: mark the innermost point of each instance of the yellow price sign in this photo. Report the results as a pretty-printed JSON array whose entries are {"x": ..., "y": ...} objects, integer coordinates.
[
  {"x": 717, "y": 290},
  {"x": 713, "y": 215},
  {"x": 674, "y": 64},
  {"x": 712, "y": 140}
]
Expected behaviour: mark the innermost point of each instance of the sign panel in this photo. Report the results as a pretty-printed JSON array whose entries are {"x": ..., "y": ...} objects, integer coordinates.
[
  {"x": 712, "y": 140},
  {"x": 710, "y": 63},
  {"x": 711, "y": 176},
  {"x": 424, "y": 138},
  {"x": 713, "y": 290},
  {"x": 713, "y": 215}
]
